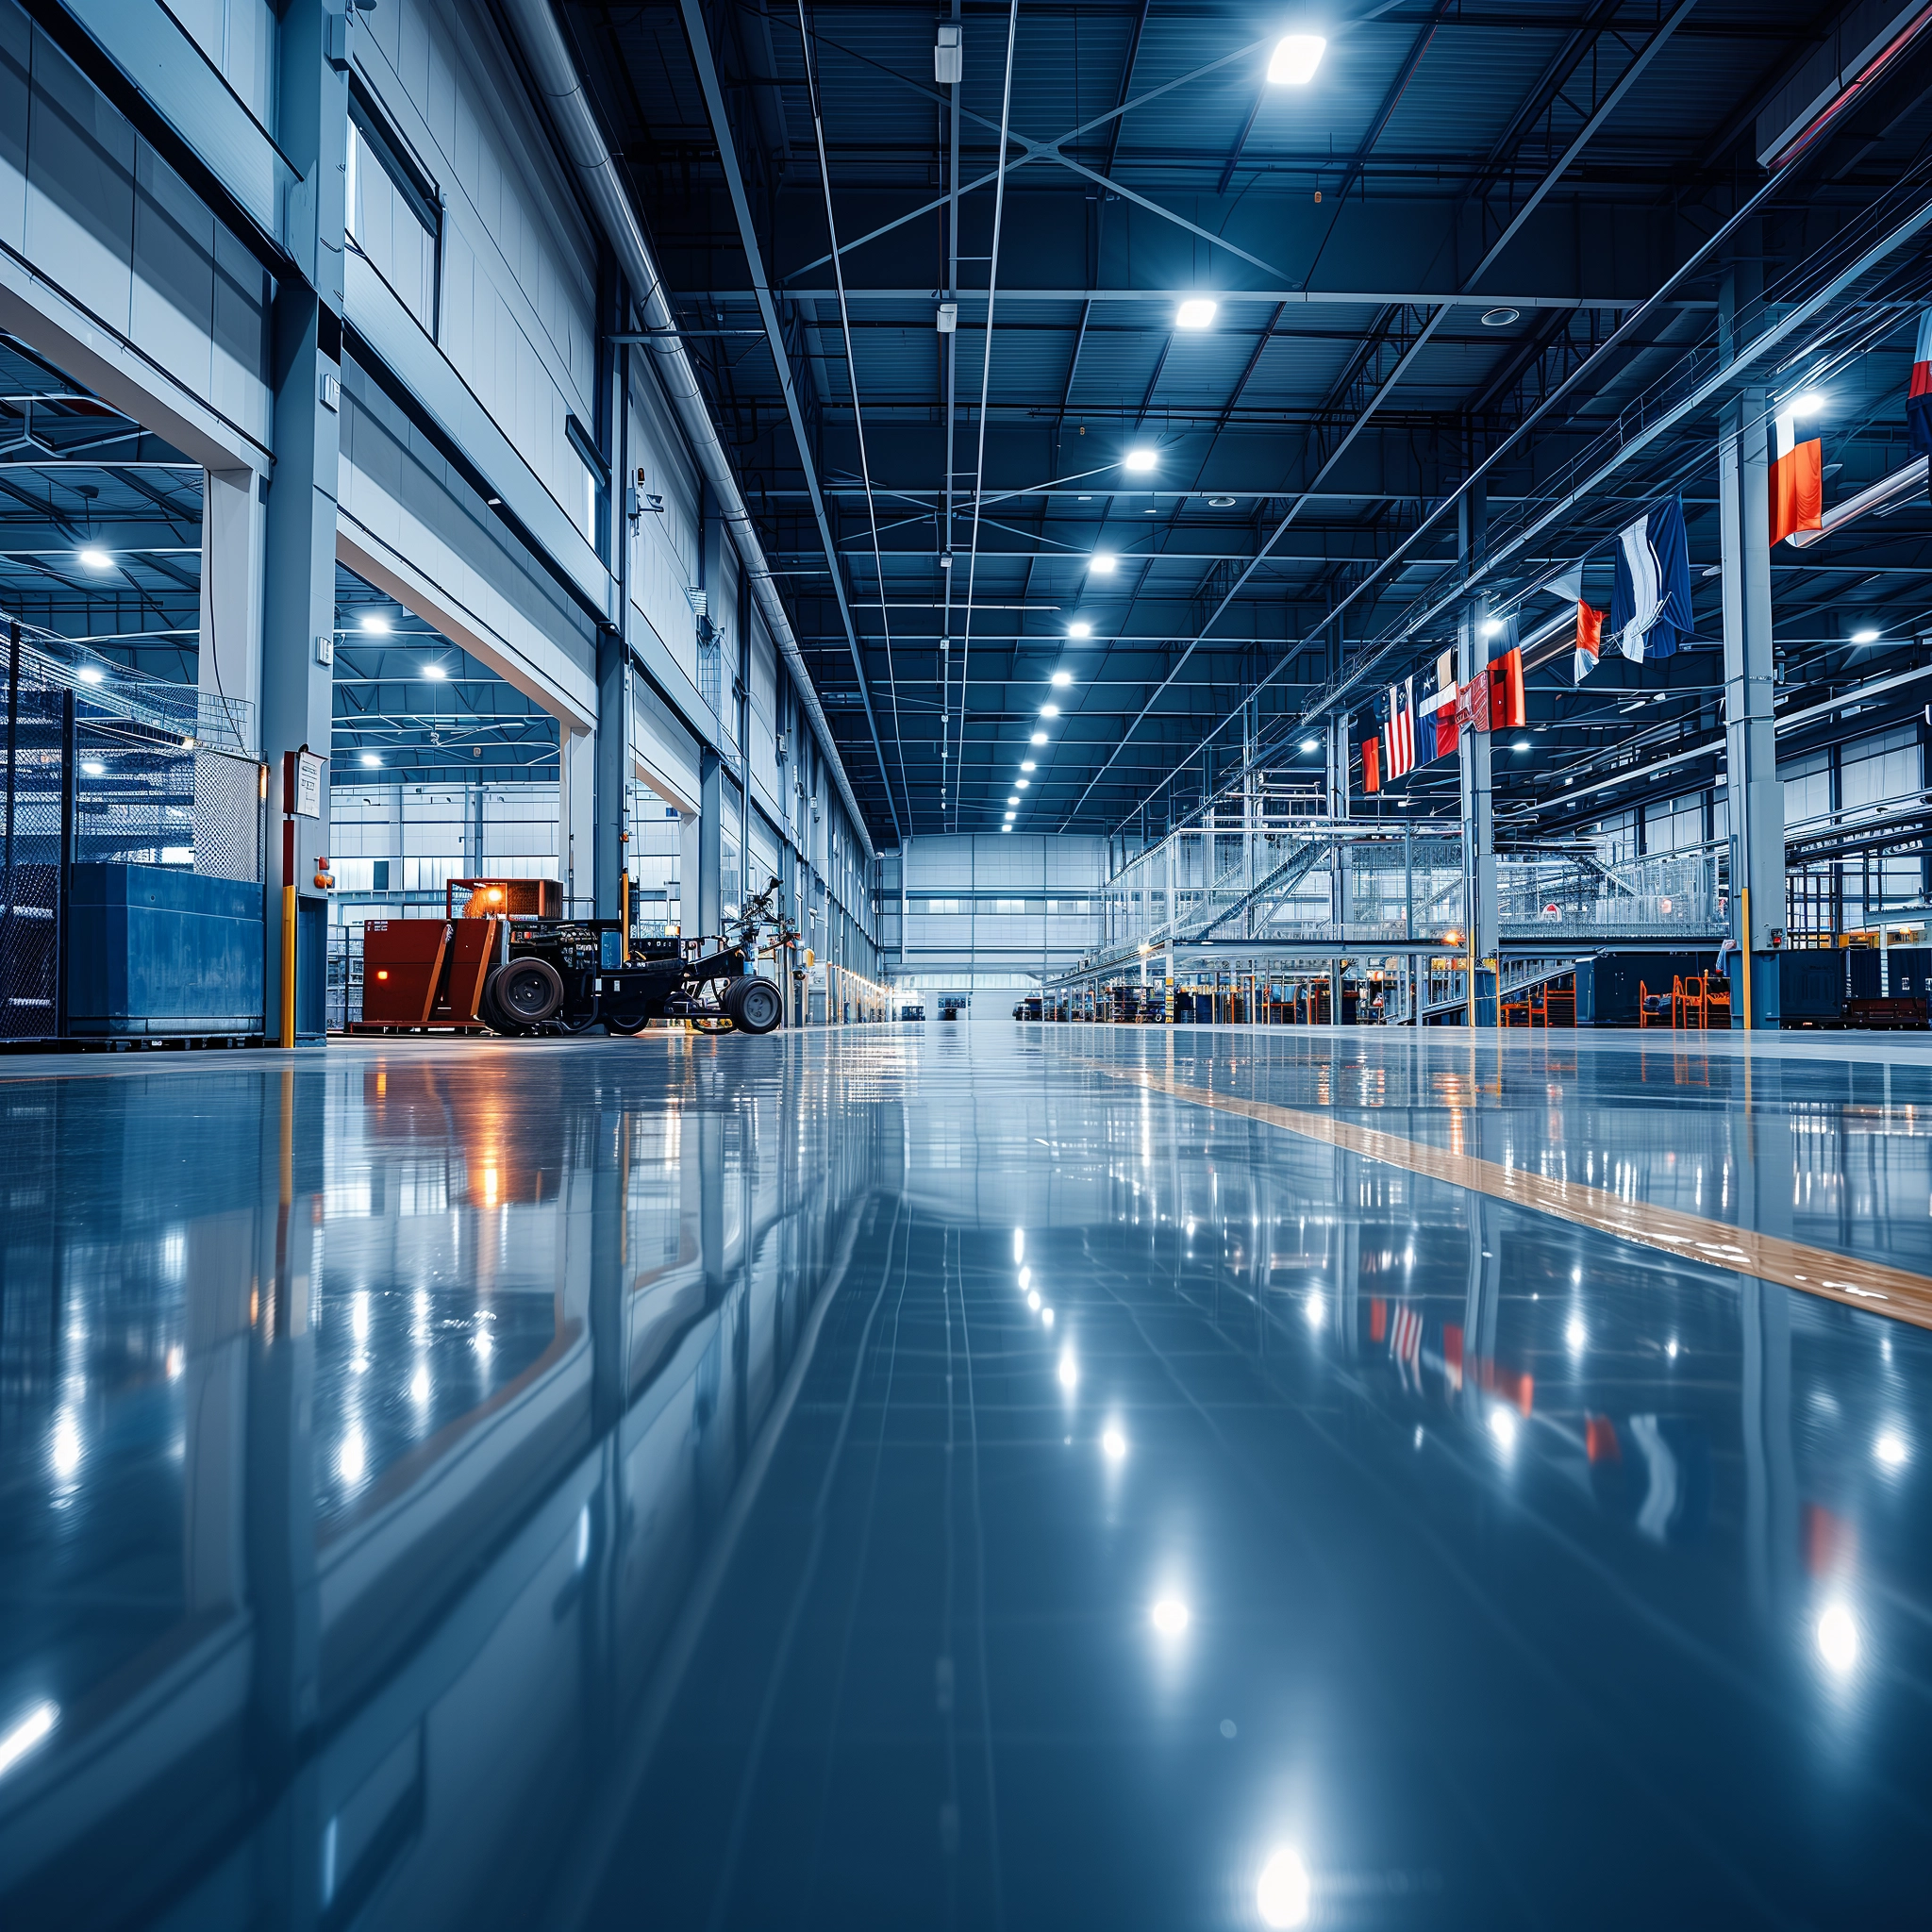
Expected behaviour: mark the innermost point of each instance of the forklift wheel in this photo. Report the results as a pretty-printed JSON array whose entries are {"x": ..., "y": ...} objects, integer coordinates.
[
  {"x": 631, "y": 1019},
  {"x": 490, "y": 1012},
  {"x": 754, "y": 1006},
  {"x": 528, "y": 991}
]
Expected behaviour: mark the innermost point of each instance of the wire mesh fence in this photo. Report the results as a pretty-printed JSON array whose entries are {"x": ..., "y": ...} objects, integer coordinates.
[{"x": 32, "y": 842}]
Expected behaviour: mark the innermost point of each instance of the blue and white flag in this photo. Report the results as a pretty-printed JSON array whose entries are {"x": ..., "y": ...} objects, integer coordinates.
[{"x": 1650, "y": 604}]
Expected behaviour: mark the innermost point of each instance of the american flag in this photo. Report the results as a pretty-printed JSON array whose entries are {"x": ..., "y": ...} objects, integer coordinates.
[{"x": 1401, "y": 729}]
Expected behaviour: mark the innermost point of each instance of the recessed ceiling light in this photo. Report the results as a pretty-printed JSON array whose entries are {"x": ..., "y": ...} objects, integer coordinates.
[
  {"x": 96, "y": 559},
  {"x": 1501, "y": 318},
  {"x": 374, "y": 623},
  {"x": 1140, "y": 461},
  {"x": 1296, "y": 59},
  {"x": 1079, "y": 628},
  {"x": 1221, "y": 503},
  {"x": 1197, "y": 311}
]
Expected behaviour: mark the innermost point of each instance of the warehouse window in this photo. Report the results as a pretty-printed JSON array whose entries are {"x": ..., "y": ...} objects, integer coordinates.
[
  {"x": 942, "y": 906},
  {"x": 1008, "y": 909},
  {"x": 393, "y": 212}
]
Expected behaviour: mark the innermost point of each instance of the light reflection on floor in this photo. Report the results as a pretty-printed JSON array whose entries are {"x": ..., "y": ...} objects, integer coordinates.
[{"x": 904, "y": 1476}]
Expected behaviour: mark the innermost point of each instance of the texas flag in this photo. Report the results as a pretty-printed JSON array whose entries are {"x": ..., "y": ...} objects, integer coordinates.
[
  {"x": 1797, "y": 480},
  {"x": 1919, "y": 396},
  {"x": 1435, "y": 720}
]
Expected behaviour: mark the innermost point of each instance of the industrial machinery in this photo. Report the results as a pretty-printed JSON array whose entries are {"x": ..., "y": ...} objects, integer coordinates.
[{"x": 524, "y": 972}]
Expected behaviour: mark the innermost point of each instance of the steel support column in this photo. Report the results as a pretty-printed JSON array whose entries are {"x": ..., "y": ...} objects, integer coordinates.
[{"x": 1480, "y": 936}]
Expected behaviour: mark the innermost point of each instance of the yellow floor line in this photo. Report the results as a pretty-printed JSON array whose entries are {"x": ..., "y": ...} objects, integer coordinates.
[{"x": 1860, "y": 1283}]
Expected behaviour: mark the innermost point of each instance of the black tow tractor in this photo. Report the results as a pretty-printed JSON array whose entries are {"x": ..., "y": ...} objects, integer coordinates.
[{"x": 565, "y": 975}]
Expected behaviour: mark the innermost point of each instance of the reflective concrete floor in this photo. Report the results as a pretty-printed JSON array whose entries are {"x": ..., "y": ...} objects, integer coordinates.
[{"x": 932, "y": 1476}]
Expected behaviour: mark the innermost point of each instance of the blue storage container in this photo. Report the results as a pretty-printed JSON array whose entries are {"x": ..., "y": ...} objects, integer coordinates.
[
  {"x": 1811, "y": 986},
  {"x": 1609, "y": 987},
  {"x": 154, "y": 950}
]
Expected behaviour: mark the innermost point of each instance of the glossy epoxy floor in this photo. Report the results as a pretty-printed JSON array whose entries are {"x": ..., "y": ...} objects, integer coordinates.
[{"x": 967, "y": 1477}]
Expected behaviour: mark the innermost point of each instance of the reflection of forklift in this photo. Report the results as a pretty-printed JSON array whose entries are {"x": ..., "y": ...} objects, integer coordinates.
[{"x": 529, "y": 971}]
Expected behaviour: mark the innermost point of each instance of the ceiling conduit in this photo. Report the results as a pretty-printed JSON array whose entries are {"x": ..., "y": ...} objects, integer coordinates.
[
  {"x": 583, "y": 141},
  {"x": 1888, "y": 493}
]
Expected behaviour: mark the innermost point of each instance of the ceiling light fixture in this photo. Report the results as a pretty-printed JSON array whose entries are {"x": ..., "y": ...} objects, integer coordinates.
[
  {"x": 1501, "y": 318},
  {"x": 1079, "y": 628},
  {"x": 1049, "y": 711},
  {"x": 1028, "y": 765},
  {"x": 1038, "y": 738},
  {"x": 90, "y": 673},
  {"x": 1296, "y": 59},
  {"x": 1221, "y": 503},
  {"x": 1865, "y": 637},
  {"x": 369, "y": 757},
  {"x": 1012, "y": 798},
  {"x": 1197, "y": 311},
  {"x": 1810, "y": 403},
  {"x": 435, "y": 672},
  {"x": 374, "y": 623},
  {"x": 1311, "y": 744},
  {"x": 96, "y": 559},
  {"x": 1102, "y": 563},
  {"x": 1061, "y": 679},
  {"x": 1140, "y": 461}
]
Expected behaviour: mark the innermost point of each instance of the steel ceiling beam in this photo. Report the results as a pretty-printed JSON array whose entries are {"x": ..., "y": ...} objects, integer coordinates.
[{"x": 698, "y": 35}]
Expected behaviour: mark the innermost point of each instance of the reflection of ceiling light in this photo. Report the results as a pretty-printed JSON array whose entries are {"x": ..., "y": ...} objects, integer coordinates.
[
  {"x": 369, "y": 757},
  {"x": 1033, "y": 1300},
  {"x": 1047, "y": 1318},
  {"x": 17, "y": 1742},
  {"x": 1114, "y": 1444},
  {"x": 1197, "y": 311},
  {"x": 96, "y": 559},
  {"x": 1070, "y": 1370},
  {"x": 1838, "y": 1638},
  {"x": 1502, "y": 1426},
  {"x": 1574, "y": 1334},
  {"x": 1061, "y": 678},
  {"x": 1282, "y": 1895},
  {"x": 1140, "y": 461},
  {"x": 1102, "y": 563},
  {"x": 1296, "y": 59},
  {"x": 1170, "y": 1616},
  {"x": 1890, "y": 1449},
  {"x": 1079, "y": 628},
  {"x": 374, "y": 623}
]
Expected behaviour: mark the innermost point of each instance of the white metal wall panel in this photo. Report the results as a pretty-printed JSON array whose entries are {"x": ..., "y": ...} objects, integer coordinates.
[
  {"x": 666, "y": 749},
  {"x": 239, "y": 38}
]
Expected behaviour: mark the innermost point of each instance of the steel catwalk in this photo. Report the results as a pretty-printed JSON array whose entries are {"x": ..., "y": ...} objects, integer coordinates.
[{"x": 968, "y": 1476}]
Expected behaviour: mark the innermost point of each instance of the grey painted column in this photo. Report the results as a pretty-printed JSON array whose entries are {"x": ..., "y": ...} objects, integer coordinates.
[
  {"x": 1755, "y": 797},
  {"x": 710, "y": 906},
  {"x": 1338, "y": 767},
  {"x": 609, "y": 750},
  {"x": 1478, "y": 812},
  {"x": 305, "y": 364},
  {"x": 234, "y": 529}
]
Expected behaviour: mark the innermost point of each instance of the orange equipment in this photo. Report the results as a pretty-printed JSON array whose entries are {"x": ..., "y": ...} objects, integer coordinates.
[{"x": 419, "y": 972}]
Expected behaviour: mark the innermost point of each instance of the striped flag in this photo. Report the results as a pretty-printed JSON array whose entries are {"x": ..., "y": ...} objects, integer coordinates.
[
  {"x": 1401, "y": 729},
  {"x": 1406, "y": 1333},
  {"x": 1797, "y": 480},
  {"x": 1919, "y": 395}
]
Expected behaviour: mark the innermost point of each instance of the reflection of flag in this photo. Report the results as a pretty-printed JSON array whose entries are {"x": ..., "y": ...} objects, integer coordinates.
[
  {"x": 1378, "y": 1318},
  {"x": 1797, "y": 483},
  {"x": 1650, "y": 606},
  {"x": 1406, "y": 1335},
  {"x": 1452, "y": 1354},
  {"x": 1589, "y": 632},
  {"x": 1919, "y": 395}
]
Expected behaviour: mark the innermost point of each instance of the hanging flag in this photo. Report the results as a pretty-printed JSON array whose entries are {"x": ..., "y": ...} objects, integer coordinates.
[
  {"x": 1401, "y": 729},
  {"x": 1650, "y": 606},
  {"x": 1435, "y": 720},
  {"x": 1798, "y": 482},
  {"x": 1919, "y": 395},
  {"x": 1508, "y": 707},
  {"x": 1371, "y": 769},
  {"x": 1589, "y": 632}
]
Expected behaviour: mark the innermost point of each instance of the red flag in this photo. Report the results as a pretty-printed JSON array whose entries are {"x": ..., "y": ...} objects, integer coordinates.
[
  {"x": 1508, "y": 707},
  {"x": 1797, "y": 491},
  {"x": 1589, "y": 634},
  {"x": 1371, "y": 764}
]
